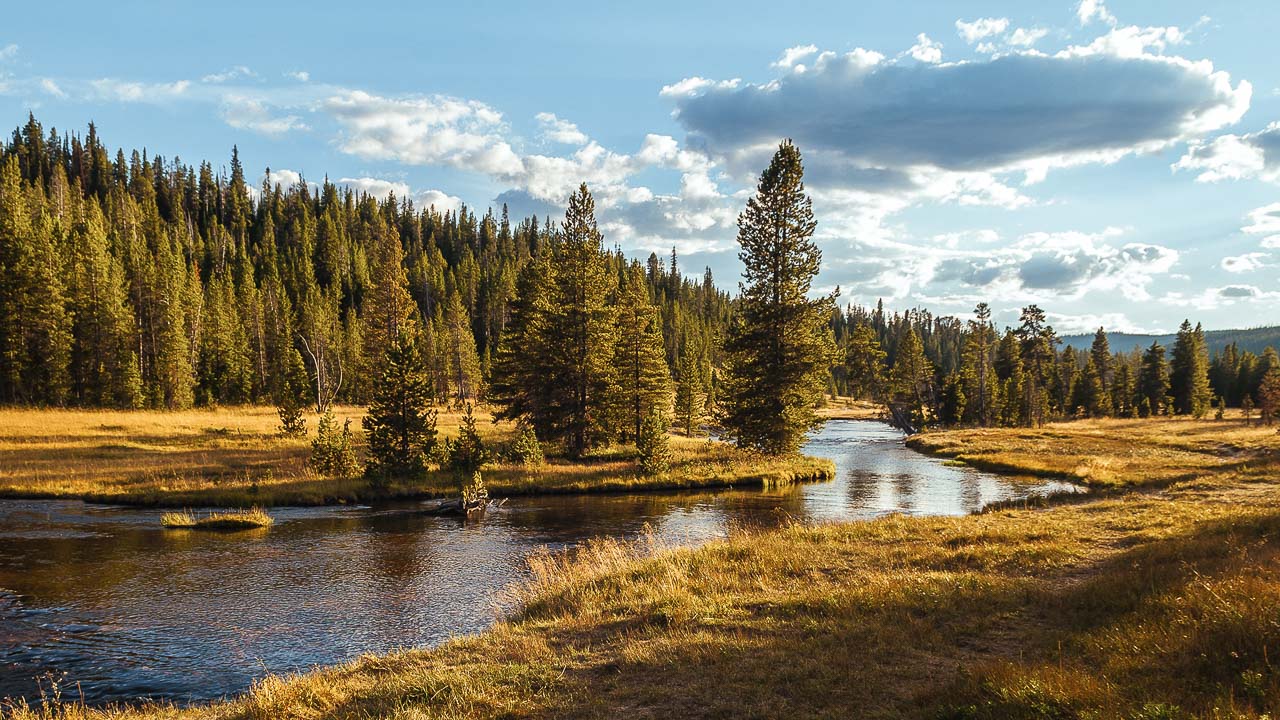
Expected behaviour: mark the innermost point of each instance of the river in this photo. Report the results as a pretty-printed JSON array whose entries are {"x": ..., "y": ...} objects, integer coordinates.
[{"x": 101, "y": 598}]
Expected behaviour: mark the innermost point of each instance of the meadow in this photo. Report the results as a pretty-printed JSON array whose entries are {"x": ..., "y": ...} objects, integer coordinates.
[
  {"x": 1156, "y": 601},
  {"x": 236, "y": 457}
]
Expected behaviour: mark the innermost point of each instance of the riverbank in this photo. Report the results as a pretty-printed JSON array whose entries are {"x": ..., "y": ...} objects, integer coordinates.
[
  {"x": 234, "y": 457},
  {"x": 1107, "y": 453},
  {"x": 1151, "y": 604}
]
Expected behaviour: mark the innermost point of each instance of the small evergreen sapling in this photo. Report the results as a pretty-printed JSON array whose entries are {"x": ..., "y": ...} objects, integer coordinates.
[{"x": 653, "y": 446}]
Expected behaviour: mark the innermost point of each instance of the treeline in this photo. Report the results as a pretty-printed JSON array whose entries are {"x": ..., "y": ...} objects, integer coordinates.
[
  {"x": 949, "y": 372},
  {"x": 135, "y": 281}
]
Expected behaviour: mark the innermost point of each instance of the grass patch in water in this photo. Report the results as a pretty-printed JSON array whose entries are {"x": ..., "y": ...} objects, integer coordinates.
[{"x": 232, "y": 520}]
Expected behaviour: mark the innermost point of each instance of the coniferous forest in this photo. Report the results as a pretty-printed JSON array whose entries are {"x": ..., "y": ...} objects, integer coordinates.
[{"x": 136, "y": 281}]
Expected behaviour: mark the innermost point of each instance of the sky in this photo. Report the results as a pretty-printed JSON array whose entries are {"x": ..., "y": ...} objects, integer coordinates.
[{"x": 1117, "y": 163}]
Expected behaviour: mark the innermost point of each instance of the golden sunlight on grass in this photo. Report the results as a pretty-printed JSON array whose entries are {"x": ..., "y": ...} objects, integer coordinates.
[
  {"x": 233, "y": 520},
  {"x": 1108, "y": 453},
  {"x": 1153, "y": 604},
  {"x": 235, "y": 457}
]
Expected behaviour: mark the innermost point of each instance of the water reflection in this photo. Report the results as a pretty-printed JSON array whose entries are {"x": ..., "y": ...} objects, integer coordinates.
[{"x": 103, "y": 596}]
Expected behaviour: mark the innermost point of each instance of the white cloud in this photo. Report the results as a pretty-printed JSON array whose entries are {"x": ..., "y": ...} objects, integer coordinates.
[
  {"x": 1235, "y": 157},
  {"x": 1265, "y": 221},
  {"x": 299, "y": 75},
  {"x": 981, "y": 28},
  {"x": 790, "y": 57},
  {"x": 1247, "y": 262},
  {"x": 438, "y": 199},
  {"x": 435, "y": 130},
  {"x": 52, "y": 88},
  {"x": 112, "y": 89},
  {"x": 1026, "y": 37},
  {"x": 556, "y": 130},
  {"x": 235, "y": 73},
  {"x": 926, "y": 50},
  {"x": 376, "y": 187},
  {"x": 692, "y": 85},
  {"x": 1090, "y": 10},
  {"x": 245, "y": 113},
  {"x": 283, "y": 177}
]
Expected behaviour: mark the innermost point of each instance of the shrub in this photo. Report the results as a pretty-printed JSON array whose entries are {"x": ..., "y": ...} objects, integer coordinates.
[
  {"x": 526, "y": 449},
  {"x": 332, "y": 452},
  {"x": 292, "y": 422},
  {"x": 468, "y": 454}
]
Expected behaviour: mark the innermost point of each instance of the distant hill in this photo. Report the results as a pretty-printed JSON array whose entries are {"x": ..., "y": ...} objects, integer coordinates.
[{"x": 1253, "y": 339}]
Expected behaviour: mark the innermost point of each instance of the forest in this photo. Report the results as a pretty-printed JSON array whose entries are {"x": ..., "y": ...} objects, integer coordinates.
[{"x": 134, "y": 281}]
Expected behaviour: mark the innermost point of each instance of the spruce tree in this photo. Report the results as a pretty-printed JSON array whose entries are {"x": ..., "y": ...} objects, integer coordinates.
[
  {"x": 1100, "y": 351},
  {"x": 1189, "y": 372},
  {"x": 1037, "y": 340},
  {"x": 1153, "y": 380},
  {"x": 978, "y": 374},
  {"x": 643, "y": 380},
  {"x": 865, "y": 364},
  {"x": 1269, "y": 396},
  {"x": 561, "y": 328},
  {"x": 401, "y": 422},
  {"x": 691, "y": 396},
  {"x": 779, "y": 349},
  {"x": 458, "y": 350},
  {"x": 911, "y": 380}
]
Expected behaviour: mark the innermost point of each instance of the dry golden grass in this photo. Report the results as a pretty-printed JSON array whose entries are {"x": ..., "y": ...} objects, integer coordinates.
[
  {"x": 235, "y": 457},
  {"x": 846, "y": 408},
  {"x": 1152, "y": 604},
  {"x": 232, "y": 520},
  {"x": 1108, "y": 453}
]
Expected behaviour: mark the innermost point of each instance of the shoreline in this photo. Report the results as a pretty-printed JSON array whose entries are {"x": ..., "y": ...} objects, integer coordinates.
[{"x": 1000, "y": 613}]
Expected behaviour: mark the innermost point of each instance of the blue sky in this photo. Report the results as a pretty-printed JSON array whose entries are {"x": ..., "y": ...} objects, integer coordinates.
[{"x": 1116, "y": 163}]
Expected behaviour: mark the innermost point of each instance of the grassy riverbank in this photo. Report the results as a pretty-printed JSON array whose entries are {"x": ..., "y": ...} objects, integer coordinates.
[
  {"x": 235, "y": 457},
  {"x": 1142, "y": 604},
  {"x": 1107, "y": 453}
]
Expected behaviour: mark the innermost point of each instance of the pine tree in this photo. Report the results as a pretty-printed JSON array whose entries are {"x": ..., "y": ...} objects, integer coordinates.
[
  {"x": 400, "y": 424},
  {"x": 1102, "y": 363},
  {"x": 564, "y": 330},
  {"x": 1153, "y": 379},
  {"x": 911, "y": 380},
  {"x": 1088, "y": 396},
  {"x": 691, "y": 394},
  {"x": 1037, "y": 339},
  {"x": 458, "y": 350},
  {"x": 779, "y": 349},
  {"x": 653, "y": 445},
  {"x": 978, "y": 374},
  {"x": 865, "y": 364},
  {"x": 1269, "y": 396},
  {"x": 643, "y": 380},
  {"x": 1189, "y": 372}
]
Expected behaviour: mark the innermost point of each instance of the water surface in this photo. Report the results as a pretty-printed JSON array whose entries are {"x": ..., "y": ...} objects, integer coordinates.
[{"x": 103, "y": 597}]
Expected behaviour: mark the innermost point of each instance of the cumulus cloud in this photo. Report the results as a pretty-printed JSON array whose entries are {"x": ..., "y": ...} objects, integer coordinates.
[
  {"x": 8, "y": 52},
  {"x": 431, "y": 130},
  {"x": 926, "y": 50},
  {"x": 790, "y": 57},
  {"x": 1265, "y": 221},
  {"x": 560, "y": 131},
  {"x": 382, "y": 189},
  {"x": 299, "y": 75},
  {"x": 283, "y": 177},
  {"x": 1235, "y": 157},
  {"x": 1023, "y": 108},
  {"x": 981, "y": 28},
  {"x": 1094, "y": 10}
]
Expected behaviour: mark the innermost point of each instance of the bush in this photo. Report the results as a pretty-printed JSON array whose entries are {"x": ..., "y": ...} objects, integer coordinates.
[
  {"x": 655, "y": 451},
  {"x": 332, "y": 452},
  {"x": 526, "y": 449},
  {"x": 474, "y": 491},
  {"x": 468, "y": 454},
  {"x": 292, "y": 421}
]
